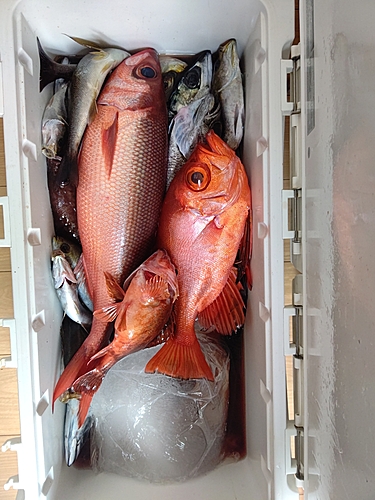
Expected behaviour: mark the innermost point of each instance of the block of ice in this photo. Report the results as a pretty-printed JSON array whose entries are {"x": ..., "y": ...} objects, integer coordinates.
[{"x": 159, "y": 428}]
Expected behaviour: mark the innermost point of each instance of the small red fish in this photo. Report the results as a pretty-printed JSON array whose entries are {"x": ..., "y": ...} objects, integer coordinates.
[
  {"x": 122, "y": 176},
  {"x": 141, "y": 311},
  {"x": 204, "y": 223}
]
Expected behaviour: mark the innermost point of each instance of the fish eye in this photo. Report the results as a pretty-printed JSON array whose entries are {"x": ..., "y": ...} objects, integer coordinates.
[
  {"x": 193, "y": 78},
  {"x": 198, "y": 177},
  {"x": 65, "y": 248},
  {"x": 148, "y": 72}
]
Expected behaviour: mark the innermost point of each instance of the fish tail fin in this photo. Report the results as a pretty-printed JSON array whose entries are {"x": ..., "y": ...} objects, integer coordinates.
[
  {"x": 180, "y": 361},
  {"x": 72, "y": 371},
  {"x": 68, "y": 171},
  {"x": 48, "y": 67},
  {"x": 86, "y": 386},
  {"x": 84, "y": 405}
]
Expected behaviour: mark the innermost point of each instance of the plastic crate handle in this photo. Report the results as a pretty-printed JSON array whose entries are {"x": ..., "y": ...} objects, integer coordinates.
[{"x": 4, "y": 202}]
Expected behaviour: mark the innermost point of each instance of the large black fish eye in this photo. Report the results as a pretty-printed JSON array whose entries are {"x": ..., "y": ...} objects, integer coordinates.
[
  {"x": 65, "y": 248},
  {"x": 148, "y": 72},
  {"x": 192, "y": 78},
  {"x": 198, "y": 177}
]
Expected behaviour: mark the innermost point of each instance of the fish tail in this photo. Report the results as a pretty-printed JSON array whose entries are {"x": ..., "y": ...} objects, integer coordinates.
[
  {"x": 87, "y": 385},
  {"x": 67, "y": 172},
  {"x": 84, "y": 405},
  {"x": 72, "y": 371},
  {"x": 48, "y": 68},
  {"x": 180, "y": 361}
]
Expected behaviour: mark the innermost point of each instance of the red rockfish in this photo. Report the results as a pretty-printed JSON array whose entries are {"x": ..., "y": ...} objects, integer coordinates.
[
  {"x": 141, "y": 311},
  {"x": 204, "y": 221},
  {"x": 122, "y": 177}
]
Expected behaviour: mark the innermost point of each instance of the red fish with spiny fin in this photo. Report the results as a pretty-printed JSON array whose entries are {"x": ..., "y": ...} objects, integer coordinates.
[
  {"x": 140, "y": 313},
  {"x": 122, "y": 176},
  {"x": 204, "y": 225}
]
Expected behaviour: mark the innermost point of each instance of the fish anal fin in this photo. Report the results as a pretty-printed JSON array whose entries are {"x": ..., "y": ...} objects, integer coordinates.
[
  {"x": 180, "y": 361},
  {"x": 165, "y": 334},
  {"x": 109, "y": 135},
  {"x": 113, "y": 288},
  {"x": 226, "y": 312}
]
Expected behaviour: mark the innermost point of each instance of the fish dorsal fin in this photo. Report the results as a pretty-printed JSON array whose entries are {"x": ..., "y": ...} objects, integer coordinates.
[
  {"x": 226, "y": 312},
  {"x": 109, "y": 135},
  {"x": 113, "y": 288},
  {"x": 85, "y": 43}
]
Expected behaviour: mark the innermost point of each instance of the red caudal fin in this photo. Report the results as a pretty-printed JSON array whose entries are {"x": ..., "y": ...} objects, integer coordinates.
[
  {"x": 74, "y": 368},
  {"x": 180, "y": 361},
  {"x": 86, "y": 386},
  {"x": 226, "y": 313},
  {"x": 84, "y": 405}
]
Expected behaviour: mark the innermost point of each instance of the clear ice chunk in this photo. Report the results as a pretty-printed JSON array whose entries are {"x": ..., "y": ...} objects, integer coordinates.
[{"x": 158, "y": 428}]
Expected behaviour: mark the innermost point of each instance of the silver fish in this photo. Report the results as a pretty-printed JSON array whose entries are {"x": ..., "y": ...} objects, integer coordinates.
[
  {"x": 194, "y": 84},
  {"x": 66, "y": 289},
  {"x": 85, "y": 85},
  {"x": 72, "y": 253},
  {"x": 190, "y": 124},
  {"x": 227, "y": 84},
  {"x": 54, "y": 123},
  {"x": 74, "y": 436}
]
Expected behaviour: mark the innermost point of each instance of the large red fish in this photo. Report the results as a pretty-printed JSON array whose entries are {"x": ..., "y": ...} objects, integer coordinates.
[
  {"x": 122, "y": 176},
  {"x": 203, "y": 224},
  {"x": 141, "y": 311}
]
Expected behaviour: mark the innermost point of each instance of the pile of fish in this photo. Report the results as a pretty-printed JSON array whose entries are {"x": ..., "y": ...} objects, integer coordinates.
[{"x": 151, "y": 208}]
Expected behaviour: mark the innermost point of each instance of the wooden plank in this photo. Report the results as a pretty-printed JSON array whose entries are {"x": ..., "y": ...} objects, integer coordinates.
[
  {"x": 9, "y": 412},
  {"x": 2, "y": 156},
  {"x": 6, "y": 297},
  {"x": 5, "y": 259},
  {"x": 4, "y": 342},
  {"x": 8, "y": 468}
]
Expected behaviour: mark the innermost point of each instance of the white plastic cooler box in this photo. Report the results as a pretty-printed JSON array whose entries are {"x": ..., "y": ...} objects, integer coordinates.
[{"x": 331, "y": 232}]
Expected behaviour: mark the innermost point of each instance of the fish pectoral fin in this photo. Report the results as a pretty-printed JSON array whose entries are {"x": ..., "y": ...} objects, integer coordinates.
[
  {"x": 92, "y": 112},
  {"x": 154, "y": 290},
  {"x": 113, "y": 288},
  {"x": 226, "y": 313},
  {"x": 107, "y": 314},
  {"x": 109, "y": 135},
  {"x": 180, "y": 361}
]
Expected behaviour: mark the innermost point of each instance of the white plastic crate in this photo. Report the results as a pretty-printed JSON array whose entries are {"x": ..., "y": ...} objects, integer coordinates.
[
  {"x": 264, "y": 30},
  {"x": 334, "y": 245}
]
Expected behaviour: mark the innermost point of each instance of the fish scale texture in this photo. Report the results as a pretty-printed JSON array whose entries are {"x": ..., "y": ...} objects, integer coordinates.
[{"x": 118, "y": 210}]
